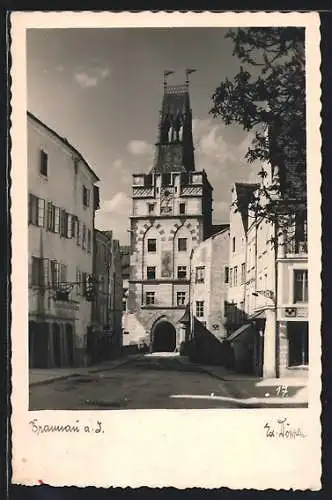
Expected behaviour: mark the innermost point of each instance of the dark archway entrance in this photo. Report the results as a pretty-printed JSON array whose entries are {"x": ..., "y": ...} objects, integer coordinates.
[{"x": 164, "y": 337}]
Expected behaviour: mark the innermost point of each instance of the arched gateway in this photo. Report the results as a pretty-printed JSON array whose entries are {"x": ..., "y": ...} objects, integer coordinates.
[{"x": 163, "y": 337}]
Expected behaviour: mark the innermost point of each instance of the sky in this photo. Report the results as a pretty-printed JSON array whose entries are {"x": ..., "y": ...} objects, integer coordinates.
[{"x": 102, "y": 90}]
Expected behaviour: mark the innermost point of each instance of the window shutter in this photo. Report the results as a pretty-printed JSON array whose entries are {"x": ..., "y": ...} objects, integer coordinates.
[
  {"x": 41, "y": 212},
  {"x": 78, "y": 282},
  {"x": 30, "y": 209},
  {"x": 69, "y": 226},
  {"x": 45, "y": 272}
]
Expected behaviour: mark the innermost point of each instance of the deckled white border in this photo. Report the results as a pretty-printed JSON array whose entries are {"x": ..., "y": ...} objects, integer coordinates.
[{"x": 206, "y": 448}]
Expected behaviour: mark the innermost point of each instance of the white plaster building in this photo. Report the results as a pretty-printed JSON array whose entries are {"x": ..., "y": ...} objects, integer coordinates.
[
  {"x": 209, "y": 284},
  {"x": 63, "y": 198}
]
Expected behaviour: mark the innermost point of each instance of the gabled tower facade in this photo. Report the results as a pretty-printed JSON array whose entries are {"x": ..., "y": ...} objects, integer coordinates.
[{"x": 171, "y": 215}]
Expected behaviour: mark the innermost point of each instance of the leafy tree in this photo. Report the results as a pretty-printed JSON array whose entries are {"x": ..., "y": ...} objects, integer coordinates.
[{"x": 267, "y": 97}]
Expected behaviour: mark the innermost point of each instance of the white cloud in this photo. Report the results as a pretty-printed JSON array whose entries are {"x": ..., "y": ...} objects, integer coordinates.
[
  {"x": 59, "y": 68},
  {"x": 92, "y": 77},
  {"x": 114, "y": 215},
  {"x": 118, "y": 204},
  {"x": 137, "y": 147},
  {"x": 85, "y": 81}
]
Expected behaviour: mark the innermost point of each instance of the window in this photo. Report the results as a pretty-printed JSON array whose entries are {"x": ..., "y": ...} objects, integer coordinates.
[
  {"x": 63, "y": 223},
  {"x": 152, "y": 245},
  {"x": 182, "y": 244},
  {"x": 226, "y": 274},
  {"x": 301, "y": 286},
  {"x": 36, "y": 271},
  {"x": 63, "y": 273},
  {"x": 55, "y": 272},
  {"x": 200, "y": 308},
  {"x": 50, "y": 216},
  {"x": 73, "y": 226},
  {"x": 89, "y": 241},
  {"x": 182, "y": 272},
  {"x": 231, "y": 277},
  {"x": 233, "y": 244},
  {"x": 84, "y": 237},
  {"x": 151, "y": 207},
  {"x": 149, "y": 298},
  {"x": 148, "y": 180},
  {"x": 182, "y": 208},
  {"x": 235, "y": 276},
  {"x": 196, "y": 178},
  {"x": 166, "y": 179},
  {"x": 36, "y": 210},
  {"x": 200, "y": 274},
  {"x": 243, "y": 273},
  {"x": 124, "y": 307},
  {"x": 78, "y": 233},
  {"x": 180, "y": 298},
  {"x": 43, "y": 163},
  {"x": 85, "y": 197},
  {"x": 151, "y": 273}
]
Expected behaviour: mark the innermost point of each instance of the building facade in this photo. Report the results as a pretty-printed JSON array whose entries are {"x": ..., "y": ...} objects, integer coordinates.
[
  {"x": 116, "y": 295},
  {"x": 171, "y": 215},
  {"x": 63, "y": 197},
  {"x": 209, "y": 283},
  {"x": 273, "y": 338},
  {"x": 240, "y": 260},
  {"x": 125, "y": 267},
  {"x": 104, "y": 341}
]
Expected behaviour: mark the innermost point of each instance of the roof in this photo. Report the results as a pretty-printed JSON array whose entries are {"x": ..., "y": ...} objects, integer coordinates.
[
  {"x": 234, "y": 336},
  {"x": 244, "y": 192},
  {"x": 186, "y": 316},
  {"x": 218, "y": 229},
  {"x": 65, "y": 142}
]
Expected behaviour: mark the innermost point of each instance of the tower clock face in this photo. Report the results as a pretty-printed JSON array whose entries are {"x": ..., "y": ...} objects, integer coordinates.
[{"x": 166, "y": 199}]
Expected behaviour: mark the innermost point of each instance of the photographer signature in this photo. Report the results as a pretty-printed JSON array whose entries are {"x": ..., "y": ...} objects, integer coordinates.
[{"x": 283, "y": 430}]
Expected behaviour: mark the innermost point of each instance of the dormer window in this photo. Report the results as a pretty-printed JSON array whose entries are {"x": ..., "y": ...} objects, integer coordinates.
[{"x": 43, "y": 167}]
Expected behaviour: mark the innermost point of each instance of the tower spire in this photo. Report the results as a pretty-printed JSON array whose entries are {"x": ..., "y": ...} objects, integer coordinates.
[
  {"x": 167, "y": 72},
  {"x": 188, "y": 71}
]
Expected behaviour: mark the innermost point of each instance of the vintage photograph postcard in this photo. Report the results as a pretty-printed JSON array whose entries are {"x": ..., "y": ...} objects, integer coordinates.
[{"x": 166, "y": 249}]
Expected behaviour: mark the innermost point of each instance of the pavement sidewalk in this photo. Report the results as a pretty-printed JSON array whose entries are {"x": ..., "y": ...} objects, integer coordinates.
[
  {"x": 38, "y": 376},
  {"x": 254, "y": 391}
]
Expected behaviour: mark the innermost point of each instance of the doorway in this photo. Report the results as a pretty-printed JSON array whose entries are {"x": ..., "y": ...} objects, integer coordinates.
[
  {"x": 164, "y": 337},
  {"x": 69, "y": 336},
  {"x": 57, "y": 345},
  {"x": 38, "y": 343},
  {"x": 298, "y": 343}
]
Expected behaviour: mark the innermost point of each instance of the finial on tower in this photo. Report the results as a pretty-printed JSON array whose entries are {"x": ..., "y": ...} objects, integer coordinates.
[
  {"x": 167, "y": 72},
  {"x": 188, "y": 71}
]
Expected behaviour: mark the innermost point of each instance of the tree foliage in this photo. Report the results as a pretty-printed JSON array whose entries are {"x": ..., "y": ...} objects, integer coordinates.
[{"x": 267, "y": 97}]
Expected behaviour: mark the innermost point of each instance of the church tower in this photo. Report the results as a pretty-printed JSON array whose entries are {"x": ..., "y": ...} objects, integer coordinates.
[{"x": 171, "y": 215}]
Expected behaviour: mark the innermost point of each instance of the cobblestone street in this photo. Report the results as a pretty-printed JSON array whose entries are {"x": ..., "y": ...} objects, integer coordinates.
[{"x": 144, "y": 382}]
